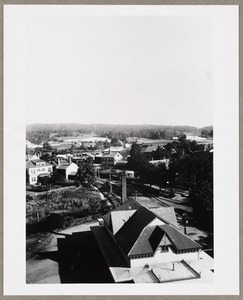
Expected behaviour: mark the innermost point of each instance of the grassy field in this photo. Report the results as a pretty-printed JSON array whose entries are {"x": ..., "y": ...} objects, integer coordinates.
[{"x": 78, "y": 201}]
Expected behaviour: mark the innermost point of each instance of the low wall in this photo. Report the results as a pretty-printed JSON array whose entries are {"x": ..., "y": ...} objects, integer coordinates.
[{"x": 164, "y": 257}]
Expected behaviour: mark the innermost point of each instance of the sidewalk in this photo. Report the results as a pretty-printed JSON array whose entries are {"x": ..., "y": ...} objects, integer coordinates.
[{"x": 177, "y": 199}]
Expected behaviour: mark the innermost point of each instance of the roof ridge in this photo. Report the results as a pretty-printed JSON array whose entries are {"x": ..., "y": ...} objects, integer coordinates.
[{"x": 127, "y": 242}]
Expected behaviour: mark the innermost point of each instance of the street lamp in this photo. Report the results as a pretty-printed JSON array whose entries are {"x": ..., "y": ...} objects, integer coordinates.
[{"x": 185, "y": 221}]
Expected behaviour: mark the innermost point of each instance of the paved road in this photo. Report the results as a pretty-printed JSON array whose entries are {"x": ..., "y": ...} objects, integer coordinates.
[{"x": 152, "y": 195}]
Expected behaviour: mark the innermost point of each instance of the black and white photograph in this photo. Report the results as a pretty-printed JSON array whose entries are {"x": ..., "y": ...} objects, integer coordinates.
[{"x": 120, "y": 131}]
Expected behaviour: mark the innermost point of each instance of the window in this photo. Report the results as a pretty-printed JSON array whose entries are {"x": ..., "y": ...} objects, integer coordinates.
[
  {"x": 164, "y": 248},
  {"x": 43, "y": 169},
  {"x": 49, "y": 169}
]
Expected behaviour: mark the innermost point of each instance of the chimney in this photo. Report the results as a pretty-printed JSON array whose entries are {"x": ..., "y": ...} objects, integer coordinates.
[
  {"x": 70, "y": 160},
  {"x": 124, "y": 187},
  {"x": 59, "y": 162}
]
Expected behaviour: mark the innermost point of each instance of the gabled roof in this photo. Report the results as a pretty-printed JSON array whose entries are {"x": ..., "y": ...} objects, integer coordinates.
[
  {"x": 151, "y": 237},
  {"x": 32, "y": 156},
  {"x": 150, "y": 149},
  {"x": 132, "y": 230},
  {"x": 32, "y": 164},
  {"x": 29, "y": 164},
  {"x": 129, "y": 205},
  {"x": 129, "y": 233},
  {"x": 179, "y": 240},
  {"x": 167, "y": 214}
]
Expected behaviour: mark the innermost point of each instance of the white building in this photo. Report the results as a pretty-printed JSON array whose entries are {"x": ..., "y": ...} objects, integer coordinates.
[
  {"x": 146, "y": 242},
  {"x": 67, "y": 168},
  {"x": 110, "y": 160},
  {"x": 36, "y": 167}
]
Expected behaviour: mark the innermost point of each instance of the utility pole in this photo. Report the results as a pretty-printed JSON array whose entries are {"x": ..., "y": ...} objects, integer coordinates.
[
  {"x": 124, "y": 186},
  {"x": 185, "y": 222},
  {"x": 110, "y": 181}
]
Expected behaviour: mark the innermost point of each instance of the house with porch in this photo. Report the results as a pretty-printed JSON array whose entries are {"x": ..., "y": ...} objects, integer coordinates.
[{"x": 36, "y": 168}]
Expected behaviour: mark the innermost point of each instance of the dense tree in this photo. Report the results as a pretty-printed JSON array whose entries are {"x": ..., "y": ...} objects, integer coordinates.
[
  {"x": 137, "y": 162},
  {"x": 207, "y": 132},
  {"x": 46, "y": 146},
  {"x": 187, "y": 167},
  {"x": 161, "y": 153},
  {"x": 86, "y": 172}
]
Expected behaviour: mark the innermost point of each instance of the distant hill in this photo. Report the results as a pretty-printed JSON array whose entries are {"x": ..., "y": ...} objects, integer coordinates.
[{"x": 45, "y": 131}]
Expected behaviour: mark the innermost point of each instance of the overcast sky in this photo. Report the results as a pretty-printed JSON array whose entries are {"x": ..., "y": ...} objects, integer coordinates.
[{"x": 120, "y": 69}]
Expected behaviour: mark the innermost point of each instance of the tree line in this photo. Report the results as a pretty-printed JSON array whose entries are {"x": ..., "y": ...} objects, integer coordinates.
[
  {"x": 37, "y": 133},
  {"x": 187, "y": 168}
]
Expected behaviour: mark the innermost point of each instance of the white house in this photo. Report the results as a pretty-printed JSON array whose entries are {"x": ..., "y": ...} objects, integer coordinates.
[
  {"x": 36, "y": 167},
  {"x": 67, "y": 168},
  {"x": 109, "y": 160}
]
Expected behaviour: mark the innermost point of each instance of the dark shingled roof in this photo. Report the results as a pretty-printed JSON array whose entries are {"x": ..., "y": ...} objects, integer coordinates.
[
  {"x": 179, "y": 240},
  {"x": 129, "y": 233},
  {"x": 151, "y": 236},
  {"x": 142, "y": 245},
  {"x": 156, "y": 237}
]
